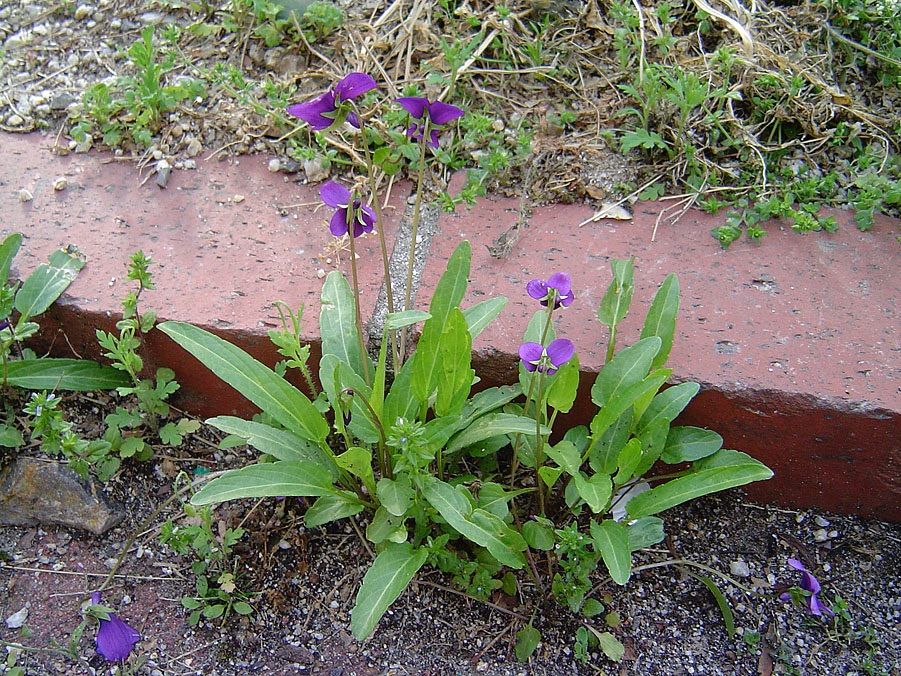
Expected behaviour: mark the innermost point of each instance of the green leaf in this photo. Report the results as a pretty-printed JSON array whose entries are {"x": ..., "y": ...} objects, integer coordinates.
[
  {"x": 668, "y": 404},
  {"x": 335, "y": 376},
  {"x": 212, "y": 612},
  {"x": 592, "y": 608},
  {"x": 538, "y": 535},
  {"x": 131, "y": 447},
  {"x": 47, "y": 283},
  {"x": 386, "y": 527},
  {"x": 358, "y": 461},
  {"x": 550, "y": 475},
  {"x": 615, "y": 303},
  {"x": 628, "y": 367},
  {"x": 483, "y": 528},
  {"x": 622, "y": 402},
  {"x": 329, "y": 508},
  {"x": 285, "y": 477},
  {"x": 611, "y": 539},
  {"x": 595, "y": 491},
  {"x": 740, "y": 470},
  {"x": 242, "y": 608},
  {"x": 684, "y": 444},
  {"x": 480, "y": 315},
  {"x": 388, "y": 576},
  {"x": 653, "y": 440},
  {"x": 454, "y": 373},
  {"x": 641, "y": 138},
  {"x": 628, "y": 460},
  {"x": 272, "y": 393},
  {"x": 609, "y": 644},
  {"x": 448, "y": 294},
  {"x": 645, "y": 532},
  {"x": 400, "y": 402},
  {"x": 77, "y": 375},
  {"x": 565, "y": 385},
  {"x": 170, "y": 435},
  {"x": 398, "y": 320},
  {"x": 533, "y": 334},
  {"x": 527, "y": 640},
  {"x": 603, "y": 454},
  {"x": 280, "y": 444},
  {"x": 338, "y": 323},
  {"x": 8, "y": 251},
  {"x": 661, "y": 318},
  {"x": 492, "y": 425},
  {"x": 721, "y": 602},
  {"x": 10, "y": 437},
  {"x": 493, "y": 498},
  {"x": 565, "y": 454},
  {"x": 395, "y": 495}
]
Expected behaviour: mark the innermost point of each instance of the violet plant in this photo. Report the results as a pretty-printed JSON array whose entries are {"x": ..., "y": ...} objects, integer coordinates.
[{"x": 468, "y": 482}]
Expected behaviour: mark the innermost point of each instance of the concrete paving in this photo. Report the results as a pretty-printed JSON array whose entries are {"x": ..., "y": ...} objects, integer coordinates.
[{"x": 793, "y": 340}]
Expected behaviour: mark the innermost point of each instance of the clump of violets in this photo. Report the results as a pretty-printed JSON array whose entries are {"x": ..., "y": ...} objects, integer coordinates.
[
  {"x": 348, "y": 210},
  {"x": 115, "y": 639},
  {"x": 557, "y": 290},
  {"x": 429, "y": 114},
  {"x": 536, "y": 357},
  {"x": 811, "y": 586},
  {"x": 330, "y": 108}
]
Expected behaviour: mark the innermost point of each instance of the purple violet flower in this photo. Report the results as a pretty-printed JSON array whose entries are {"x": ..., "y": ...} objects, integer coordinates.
[
  {"x": 546, "y": 359},
  {"x": 809, "y": 584},
  {"x": 337, "y": 196},
  {"x": 4, "y": 324},
  {"x": 115, "y": 639},
  {"x": 321, "y": 113},
  {"x": 558, "y": 287},
  {"x": 437, "y": 113}
]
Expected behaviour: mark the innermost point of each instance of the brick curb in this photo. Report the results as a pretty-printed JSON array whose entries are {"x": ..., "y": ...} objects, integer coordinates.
[{"x": 793, "y": 340}]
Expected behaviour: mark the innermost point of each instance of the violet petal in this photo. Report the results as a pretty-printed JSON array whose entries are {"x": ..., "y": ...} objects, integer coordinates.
[
  {"x": 353, "y": 85},
  {"x": 561, "y": 282},
  {"x": 338, "y": 223},
  {"x": 530, "y": 353},
  {"x": 334, "y": 194},
  {"x": 415, "y": 105},
  {"x": 115, "y": 639},
  {"x": 797, "y": 565},
  {"x": 367, "y": 218},
  {"x": 433, "y": 138},
  {"x": 537, "y": 289},
  {"x": 311, "y": 112},
  {"x": 442, "y": 113},
  {"x": 560, "y": 351}
]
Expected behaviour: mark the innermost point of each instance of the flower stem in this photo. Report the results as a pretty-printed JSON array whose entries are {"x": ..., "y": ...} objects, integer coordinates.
[
  {"x": 414, "y": 230},
  {"x": 367, "y": 376},
  {"x": 380, "y": 226},
  {"x": 539, "y": 444}
]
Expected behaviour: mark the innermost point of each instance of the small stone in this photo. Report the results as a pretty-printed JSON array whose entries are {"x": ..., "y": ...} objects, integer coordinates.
[
  {"x": 163, "y": 171},
  {"x": 34, "y": 492},
  {"x": 25, "y": 195},
  {"x": 82, "y": 12},
  {"x": 17, "y": 619},
  {"x": 289, "y": 166},
  {"x": 317, "y": 169},
  {"x": 85, "y": 144},
  {"x": 832, "y": 534},
  {"x": 739, "y": 568},
  {"x": 15, "y": 120},
  {"x": 189, "y": 164},
  {"x": 193, "y": 148},
  {"x": 275, "y": 165},
  {"x": 62, "y": 101},
  {"x": 61, "y": 183},
  {"x": 320, "y": 273},
  {"x": 237, "y": 199},
  {"x": 820, "y": 535},
  {"x": 820, "y": 521}
]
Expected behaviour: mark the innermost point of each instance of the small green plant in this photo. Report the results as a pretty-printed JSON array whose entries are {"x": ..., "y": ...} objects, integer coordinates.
[{"x": 217, "y": 594}]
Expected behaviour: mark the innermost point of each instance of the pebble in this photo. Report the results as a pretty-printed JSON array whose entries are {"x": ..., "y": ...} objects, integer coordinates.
[
  {"x": 17, "y": 619},
  {"x": 820, "y": 535},
  {"x": 189, "y": 164},
  {"x": 15, "y": 120},
  {"x": 25, "y": 195},
  {"x": 61, "y": 183},
  {"x": 739, "y": 568},
  {"x": 317, "y": 169},
  {"x": 237, "y": 199},
  {"x": 820, "y": 521},
  {"x": 193, "y": 148},
  {"x": 82, "y": 12},
  {"x": 163, "y": 171},
  {"x": 275, "y": 165}
]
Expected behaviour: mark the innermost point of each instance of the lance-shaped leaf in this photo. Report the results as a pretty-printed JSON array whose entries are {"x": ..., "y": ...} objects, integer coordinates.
[
  {"x": 493, "y": 498},
  {"x": 564, "y": 386},
  {"x": 477, "y": 525},
  {"x": 645, "y": 532},
  {"x": 280, "y": 444},
  {"x": 661, "y": 318},
  {"x": 385, "y": 580},
  {"x": 395, "y": 495},
  {"x": 616, "y": 301},
  {"x": 595, "y": 491},
  {"x": 684, "y": 444},
  {"x": 611, "y": 539},
  {"x": 722, "y": 470},
  {"x": 628, "y": 367},
  {"x": 328, "y": 508},
  {"x": 338, "y": 323},
  {"x": 282, "y": 478},
  {"x": 454, "y": 373},
  {"x": 493, "y": 425},
  {"x": 77, "y": 375},
  {"x": 262, "y": 386},
  {"x": 668, "y": 404},
  {"x": 448, "y": 294},
  {"x": 47, "y": 283},
  {"x": 8, "y": 250},
  {"x": 622, "y": 402},
  {"x": 399, "y": 320},
  {"x": 480, "y": 315}
]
